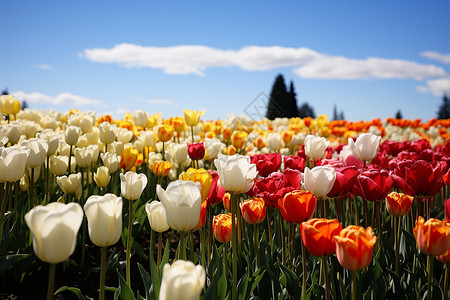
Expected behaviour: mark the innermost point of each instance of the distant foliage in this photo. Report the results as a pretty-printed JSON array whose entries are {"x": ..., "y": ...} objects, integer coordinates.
[
  {"x": 399, "y": 115},
  {"x": 444, "y": 109},
  {"x": 305, "y": 110}
]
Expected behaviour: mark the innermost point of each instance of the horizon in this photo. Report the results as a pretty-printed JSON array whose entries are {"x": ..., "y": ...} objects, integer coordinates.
[{"x": 370, "y": 60}]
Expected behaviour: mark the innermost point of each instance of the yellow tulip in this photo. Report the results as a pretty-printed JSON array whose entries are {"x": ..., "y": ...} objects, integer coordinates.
[
  {"x": 198, "y": 175},
  {"x": 192, "y": 117}
]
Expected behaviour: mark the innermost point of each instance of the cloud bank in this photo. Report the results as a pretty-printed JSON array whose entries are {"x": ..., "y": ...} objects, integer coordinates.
[
  {"x": 307, "y": 63},
  {"x": 60, "y": 99},
  {"x": 443, "y": 58}
]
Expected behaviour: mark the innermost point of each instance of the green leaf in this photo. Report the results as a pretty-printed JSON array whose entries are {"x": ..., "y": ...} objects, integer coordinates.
[
  {"x": 76, "y": 291},
  {"x": 155, "y": 273},
  {"x": 292, "y": 282},
  {"x": 146, "y": 279},
  {"x": 165, "y": 258},
  {"x": 124, "y": 290},
  {"x": 10, "y": 260}
]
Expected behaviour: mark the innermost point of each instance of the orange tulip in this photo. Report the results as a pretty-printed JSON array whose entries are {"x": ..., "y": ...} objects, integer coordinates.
[
  {"x": 259, "y": 143},
  {"x": 162, "y": 168},
  {"x": 226, "y": 201},
  {"x": 432, "y": 236},
  {"x": 128, "y": 158},
  {"x": 238, "y": 139},
  {"x": 398, "y": 204},
  {"x": 317, "y": 235},
  {"x": 222, "y": 227},
  {"x": 178, "y": 124},
  {"x": 354, "y": 247},
  {"x": 226, "y": 133},
  {"x": 253, "y": 210},
  {"x": 198, "y": 175},
  {"x": 231, "y": 150},
  {"x": 297, "y": 206},
  {"x": 202, "y": 219},
  {"x": 165, "y": 133},
  {"x": 287, "y": 136}
]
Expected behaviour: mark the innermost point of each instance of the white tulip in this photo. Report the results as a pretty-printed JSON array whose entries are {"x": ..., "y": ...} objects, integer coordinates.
[
  {"x": 132, "y": 185},
  {"x": 315, "y": 146},
  {"x": 12, "y": 163},
  {"x": 182, "y": 280},
  {"x": 54, "y": 228},
  {"x": 38, "y": 152},
  {"x": 366, "y": 146},
  {"x": 319, "y": 180},
  {"x": 236, "y": 173},
  {"x": 182, "y": 201},
  {"x": 156, "y": 214},
  {"x": 104, "y": 215},
  {"x": 111, "y": 161}
]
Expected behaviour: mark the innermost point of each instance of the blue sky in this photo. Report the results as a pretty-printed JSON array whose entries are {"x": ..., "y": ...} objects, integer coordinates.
[{"x": 369, "y": 58}]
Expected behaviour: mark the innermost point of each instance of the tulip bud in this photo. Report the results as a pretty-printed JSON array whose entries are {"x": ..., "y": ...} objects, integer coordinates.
[
  {"x": 132, "y": 185},
  {"x": 102, "y": 177},
  {"x": 317, "y": 235},
  {"x": 54, "y": 228},
  {"x": 12, "y": 163},
  {"x": 182, "y": 201},
  {"x": 162, "y": 168},
  {"x": 58, "y": 165},
  {"x": 222, "y": 225},
  {"x": 128, "y": 158},
  {"x": 111, "y": 161},
  {"x": 83, "y": 157},
  {"x": 107, "y": 133},
  {"x": 398, "y": 204},
  {"x": 366, "y": 146},
  {"x": 274, "y": 141},
  {"x": 319, "y": 180},
  {"x": 165, "y": 133},
  {"x": 178, "y": 124},
  {"x": 140, "y": 118},
  {"x": 38, "y": 152},
  {"x": 104, "y": 215},
  {"x": 226, "y": 201},
  {"x": 315, "y": 146},
  {"x": 196, "y": 151},
  {"x": 156, "y": 214},
  {"x": 70, "y": 184},
  {"x": 13, "y": 131},
  {"x": 238, "y": 139},
  {"x": 182, "y": 280},
  {"x": 192, "y": 117},
  {"x": 253, "y": 210},
  {"x": 432, "y": 236},
  {"x": 236, "y": 173},
  {"x": 72, "y": 134}
]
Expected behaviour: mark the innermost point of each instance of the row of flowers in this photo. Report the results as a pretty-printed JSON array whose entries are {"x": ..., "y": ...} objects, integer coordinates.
[{"x": 287, "y": 176}]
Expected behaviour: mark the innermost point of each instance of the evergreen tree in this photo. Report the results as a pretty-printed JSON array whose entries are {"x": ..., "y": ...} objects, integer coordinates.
[
  {"x": 5, "y": 92},
  {"x": 306, "y": 111},
  {"x": 279, "y": 100},
  {"x": 293, "y": 110},
  {"x": 399, "y": 115},
  {"x": 335, "y": 113},
  {"x": 341, "y": 116},
  {"x": 444, "y": 109}
]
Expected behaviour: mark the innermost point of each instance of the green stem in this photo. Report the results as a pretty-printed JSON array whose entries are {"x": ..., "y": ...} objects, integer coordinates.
[
  {"x": 283, "y": 241},
  {"x": 191, "y": 245},
  {"x": 225, "y": 258},
  {"x": 447, "y": 273},
  {"x": 69, "y": 169},
  {"x": 192, "y": 133},
  {"x": 182, "y": 254},
  {"x": 430, "y": 275},
  {"x": 304, "y": 271},
  {"x": 47, "y": 175},
  {"x": 51, "y": 281},
  {"x": 159, "y": 248},
  {"x": 102, "y": 274},
  {"x": 356, "y": 211},
  {"x": 327, "y": 280},
  {"x": 269, "y": 228},
  {"x": 397, "y": 242},
  {"x": 202, "y": 246},
  {"x": 234, "y": 253},
  {"x": 4, "y": 199},
  {"x": 354, "y": 286},
  {"x": 292, "y": 228},
  {"x": 128, "y": 254},
  {"x": 256, "y": 246}
]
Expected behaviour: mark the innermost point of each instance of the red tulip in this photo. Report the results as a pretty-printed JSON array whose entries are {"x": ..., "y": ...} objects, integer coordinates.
[
  {"x": 196, "y": 151},
  {"x": 419, "y": 178},
  {"x": 345, "y": 178},
  {"x": 294, "y": 162},
  {"x": 432, "y": 236},
  {"x": 447, "y": 209},
  {"x": 222, "y": 227},
  {"x": 266, "y": 164},
  {"x": 216, "y": 192},
  {"x": 398, "y": 204},
  {"x": 373, "y": 185}
]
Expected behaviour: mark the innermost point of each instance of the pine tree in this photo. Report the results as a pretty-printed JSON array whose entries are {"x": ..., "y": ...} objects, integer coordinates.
[
  {"x": 306, "y": 111},
  {"x": 444, "y": 109},
  {"x": 279, "y": 100},
  {"x": 335, "y": 113},
  {"x": 5, "y": 92},
  {"x": 293, "y": 110},
  {"x": 399, "y": 114}
]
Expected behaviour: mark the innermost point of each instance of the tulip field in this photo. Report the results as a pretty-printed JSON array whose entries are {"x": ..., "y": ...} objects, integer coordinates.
[{"x": 145, "y": 207}]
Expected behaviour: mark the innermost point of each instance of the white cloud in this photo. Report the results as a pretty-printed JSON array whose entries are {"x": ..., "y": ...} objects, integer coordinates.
[
  {"x": 339, "y": 67},
  {"x": 440, "y": 86},
  {"x": 443, "y": 58},
  {"x": 195, "y": 59},
  {"x": 43, "y": 67},
  {"x": 60, "y": 99},
  {"x": 162, "y": 102}
]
